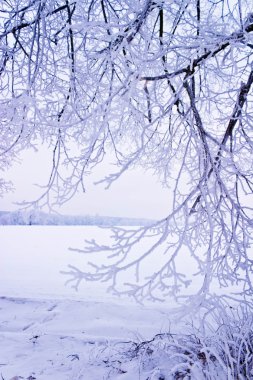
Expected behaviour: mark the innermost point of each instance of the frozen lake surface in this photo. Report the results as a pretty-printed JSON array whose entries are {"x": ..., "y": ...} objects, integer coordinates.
[{"x": 32, "y": 258}]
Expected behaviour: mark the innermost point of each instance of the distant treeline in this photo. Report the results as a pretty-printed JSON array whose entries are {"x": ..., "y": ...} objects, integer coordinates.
[{"x": 41, "y": 218}]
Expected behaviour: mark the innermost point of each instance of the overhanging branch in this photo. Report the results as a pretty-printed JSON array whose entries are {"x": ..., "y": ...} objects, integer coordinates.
[{"x": 234, "y": 37}]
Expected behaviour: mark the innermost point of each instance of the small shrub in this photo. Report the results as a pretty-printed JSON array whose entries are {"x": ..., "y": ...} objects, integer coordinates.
[{"x": 224, "y": 351}]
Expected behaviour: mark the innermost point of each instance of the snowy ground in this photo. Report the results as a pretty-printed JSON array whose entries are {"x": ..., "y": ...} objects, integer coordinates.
[
  {"x": 51, "y": 332},
  {"x": 66, "y": 339},
  {"x": 47, "y": 330}
]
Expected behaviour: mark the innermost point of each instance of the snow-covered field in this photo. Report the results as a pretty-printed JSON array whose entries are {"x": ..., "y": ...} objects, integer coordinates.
[
  {"x": 65, "y": 339},
  {"x": 32, "y": 258},
  {"x": 48, "y": 331}
]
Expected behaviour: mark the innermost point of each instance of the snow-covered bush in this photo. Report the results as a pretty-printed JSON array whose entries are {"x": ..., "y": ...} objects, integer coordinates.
[{"x": 224, "y": 351}]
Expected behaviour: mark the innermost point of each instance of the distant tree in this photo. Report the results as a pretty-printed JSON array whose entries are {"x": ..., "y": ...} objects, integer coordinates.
[{"x": 166, "y": 85}]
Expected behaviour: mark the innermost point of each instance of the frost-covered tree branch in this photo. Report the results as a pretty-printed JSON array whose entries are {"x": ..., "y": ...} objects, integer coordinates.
[{"x": 163, "y": 85}]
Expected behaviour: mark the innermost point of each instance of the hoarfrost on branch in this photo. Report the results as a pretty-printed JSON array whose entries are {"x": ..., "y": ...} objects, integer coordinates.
[{"x": 166, "y": 85}]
